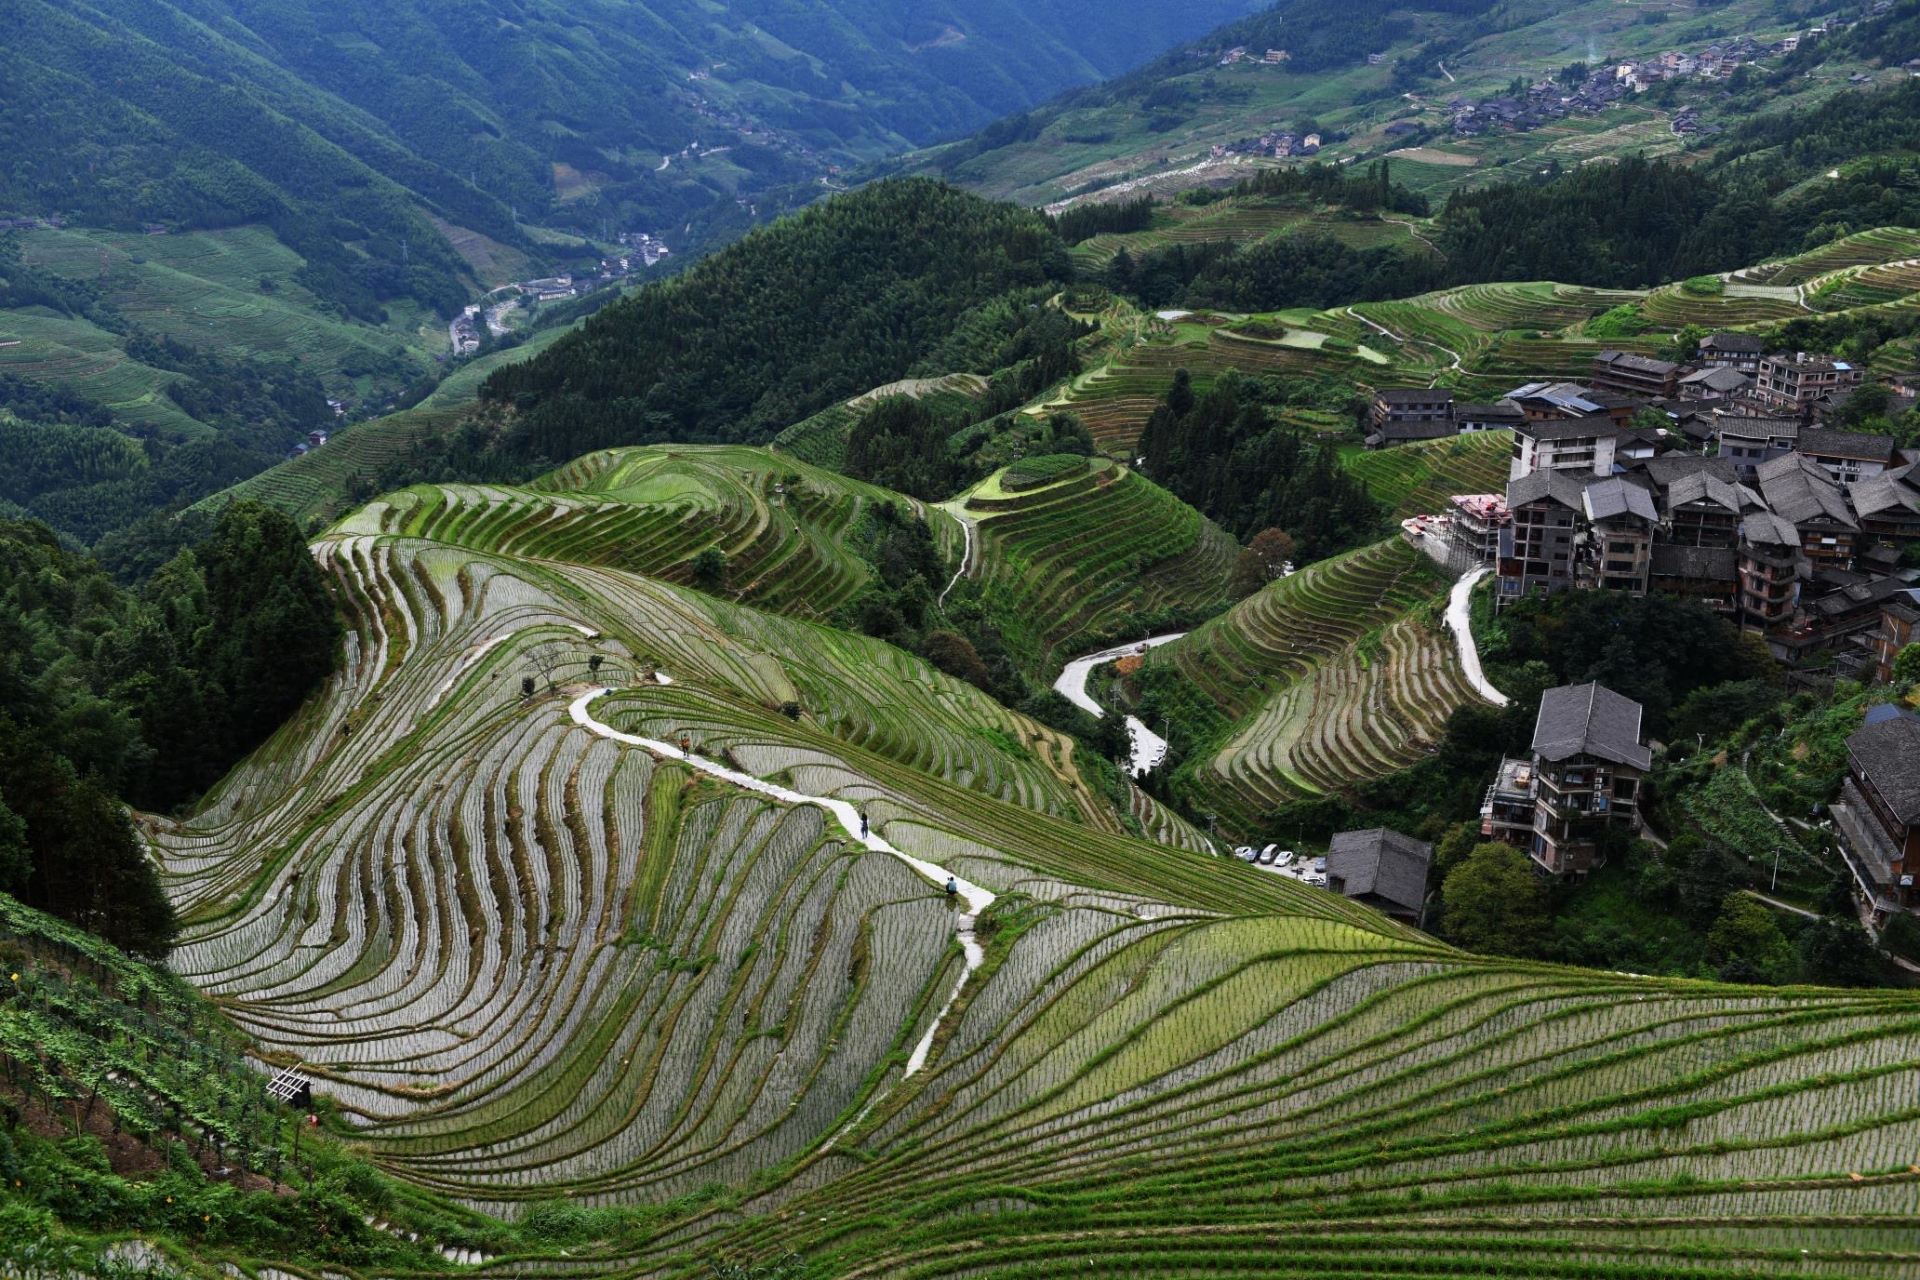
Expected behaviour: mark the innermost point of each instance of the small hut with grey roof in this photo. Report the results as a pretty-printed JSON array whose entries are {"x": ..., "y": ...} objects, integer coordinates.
[{"x": 1381, "y": 868}]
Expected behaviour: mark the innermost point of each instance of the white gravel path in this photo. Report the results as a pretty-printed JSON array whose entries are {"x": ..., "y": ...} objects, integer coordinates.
[
  {"x": 1458, "y": 619},
  {"x": 977, "y": 898}
]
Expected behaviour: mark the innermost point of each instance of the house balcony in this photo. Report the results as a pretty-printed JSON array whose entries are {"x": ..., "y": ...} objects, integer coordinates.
[{"x": 1870, "y": 853}]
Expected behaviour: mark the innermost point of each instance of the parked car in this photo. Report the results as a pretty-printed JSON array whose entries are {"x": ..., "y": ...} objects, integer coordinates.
[
  {"x": 1315, "y": 879},
  {"x": 1245, "y": 853},
  {"x": 1320, "y": 866},
  {"x": 1266, "y": 855},
  {"x": 1285, "y": 859}
]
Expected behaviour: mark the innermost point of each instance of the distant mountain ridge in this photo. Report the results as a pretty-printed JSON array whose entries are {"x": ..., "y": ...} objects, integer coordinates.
[{"x": 514, "y": 111}]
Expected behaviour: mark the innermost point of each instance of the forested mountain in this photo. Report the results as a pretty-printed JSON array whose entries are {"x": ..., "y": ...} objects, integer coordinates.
[
  {"x": 856, "y": 292},
  {"x": 349, "y": 123},
  {"x": 1367, "y": 80},
  {"x": 214, "y": 216},
  {"x": 149, "y": 697}
]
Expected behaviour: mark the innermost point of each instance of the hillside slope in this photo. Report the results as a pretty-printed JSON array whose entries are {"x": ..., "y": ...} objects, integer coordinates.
[
  {"x": 1330, "y": 676},
  {"x": 1095, "y": 554},
  {"x": 1351, "y": 70},
  {"x": 565, "y": 115},
  {"x": 790, "y": 533},
  {"x": 537, "y": 952}
]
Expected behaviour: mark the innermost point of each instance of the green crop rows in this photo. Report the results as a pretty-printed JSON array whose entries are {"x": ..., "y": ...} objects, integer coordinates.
[
  {"x": 1069, "y": 563},
  {"x": 1418, "y": 478},
  {"x": 532, "y": 963},
  {"x": 1328, "y": 676}
]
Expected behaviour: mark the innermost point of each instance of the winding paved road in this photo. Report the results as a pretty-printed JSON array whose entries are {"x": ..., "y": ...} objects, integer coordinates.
[
  {"x": 1149, "y": 748},
  {"x": 1459, "y": 618}
]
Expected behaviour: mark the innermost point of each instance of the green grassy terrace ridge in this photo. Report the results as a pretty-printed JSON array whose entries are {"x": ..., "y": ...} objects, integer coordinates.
[
  {"x": 783, "y": 526},
  {"x": 1334, "y": 674},
  {"x": 1091, "y": 554}
]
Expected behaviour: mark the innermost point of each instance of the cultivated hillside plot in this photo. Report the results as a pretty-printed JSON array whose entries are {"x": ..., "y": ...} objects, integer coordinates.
[
  {"x": 783, "y": 526},
  {"x": 1071, "y": 555},
  {"x": 1338, "y": 673},
  {"x": 535, "y": 955}
]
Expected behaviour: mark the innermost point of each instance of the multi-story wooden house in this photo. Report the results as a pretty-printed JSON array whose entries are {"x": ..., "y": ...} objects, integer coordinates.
[{"x": 1588, "y": 762}]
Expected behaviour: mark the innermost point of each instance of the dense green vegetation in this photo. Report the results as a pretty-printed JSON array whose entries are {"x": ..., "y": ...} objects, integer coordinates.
[
  {"x": 128, "y": 1107},
  {"x": 151, "y": 696},
  {"x": 210, "y": 419},
  {"x": 846, "y": 296},
  {"x": 357, "y": 126},
  {"x": 356, "y": 176},
  {"x": 1223, "y": 452}
]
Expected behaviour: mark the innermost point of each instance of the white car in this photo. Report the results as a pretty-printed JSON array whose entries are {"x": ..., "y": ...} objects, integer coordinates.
[
  {"x": 1285, "y": 859},
  {"x": 1315, "y": 879},
  {"x": 1245, "y": 853}
]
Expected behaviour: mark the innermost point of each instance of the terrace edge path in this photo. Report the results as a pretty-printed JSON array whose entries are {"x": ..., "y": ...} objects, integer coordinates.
[
  {"x": 978, "y": 899},
  {"x": 1460, "y": 621},
  {"x": 970, "y": 529}
]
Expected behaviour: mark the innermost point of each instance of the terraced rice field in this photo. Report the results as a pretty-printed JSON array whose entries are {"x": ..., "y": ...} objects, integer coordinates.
[
  {"x": 785, "y": 528},
  {"x": 1236, "y": 220},
  {"x": 1115, "y": 399},
  {"x": 1415, "y": 479},
  {"x": 822, "y": 439},
  {"x": 203, "y": 288},
  {"x": 1881, "y": 285},
  {"x": 78, "y": 356},
  {"x": 1335, "y": 674},
  {"x": 533, "y": 962},
  {"x": 1672, "y": 307},
  {"x": 1067, "y": 562},
  {"x": 1861, "y": 249}
]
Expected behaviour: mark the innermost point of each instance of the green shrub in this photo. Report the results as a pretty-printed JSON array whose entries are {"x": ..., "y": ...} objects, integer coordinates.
[
  {"x": 1704, "y": 286},
  {"x": 1031, "y": 473},
  {"x": 557, "y": 1222},
  {"x": 1623, "y": 321}
]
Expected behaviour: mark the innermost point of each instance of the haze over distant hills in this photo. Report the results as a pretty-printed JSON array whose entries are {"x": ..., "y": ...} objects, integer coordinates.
[{"x": 216, "y": 216}]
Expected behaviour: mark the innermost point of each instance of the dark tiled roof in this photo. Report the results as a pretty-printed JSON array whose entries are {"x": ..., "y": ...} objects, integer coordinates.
[
  {"x": 1383, "y": 863},
  {"x": 1557, "y": 485},
  {"x": 1414, "y": 395},
  {"x": 1719, "y": 378},
  {"x": 1845, "y": 444},
  {"x": 1888, "y": 754},
  {"x": 1860, "y": 596},
  {"x": 1757, "y": 428},
  {"x": 1639, "y": 364},
  {"x": 1883, "y": 492},
  {"x": 1767, "y": 529},
  {"x": 1705, "y": 486},
  {"x": 1597, "y": 425},
  {"x": 1395, "y": 431},
  {"x": 1795, "y": 488},
  {"x": 1606, "y": 499},
  {"x": 1732, "y": 343},
  {"x": 1589, "y": 719},
  {"x": 1700, "y": 564},
  {"x": 1488, "y": 413}
]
